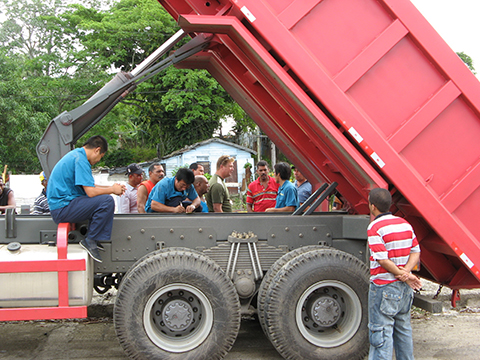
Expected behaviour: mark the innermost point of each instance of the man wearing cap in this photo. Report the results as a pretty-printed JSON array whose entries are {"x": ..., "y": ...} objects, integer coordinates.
[
  {"x": 155, "y": 174},
  {"x": 127, "y": 203},
  {"x": 40, "y": 206}
]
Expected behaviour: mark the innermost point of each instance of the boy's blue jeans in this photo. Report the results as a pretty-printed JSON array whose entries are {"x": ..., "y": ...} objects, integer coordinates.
[{"x": 389, "y": 321}]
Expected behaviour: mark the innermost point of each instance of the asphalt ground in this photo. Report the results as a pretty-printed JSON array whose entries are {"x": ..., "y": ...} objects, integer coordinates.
[{"x": 451, "y": 335}]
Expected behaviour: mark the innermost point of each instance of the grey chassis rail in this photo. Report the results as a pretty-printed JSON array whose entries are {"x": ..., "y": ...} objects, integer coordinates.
[
  {"x": 139, "y": 234},
  {"x": 64, "y": 131}
]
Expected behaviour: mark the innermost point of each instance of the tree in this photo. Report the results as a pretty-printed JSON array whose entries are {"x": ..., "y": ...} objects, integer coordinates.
[
  {"x": 173, "y": 109},
  {"x": 22, "y": 117},
  {"x": 467, "y": 60}
]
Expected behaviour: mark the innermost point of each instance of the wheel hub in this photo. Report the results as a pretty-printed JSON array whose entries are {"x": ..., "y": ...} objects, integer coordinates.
[
  {"x": 177, "y": 315},
  {"x": 326, "y": 311}
]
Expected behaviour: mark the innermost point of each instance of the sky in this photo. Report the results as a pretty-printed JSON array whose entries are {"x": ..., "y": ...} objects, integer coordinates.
[{"x": 457, "y": 22}]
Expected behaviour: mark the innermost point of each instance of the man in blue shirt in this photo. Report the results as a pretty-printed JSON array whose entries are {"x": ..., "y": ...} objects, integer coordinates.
[
  {"x": 73, "y": 196},
  {"x": 304, "y": 188},
  {"x": 287, "y": 196},
  {"x": 169, "y": 193}
]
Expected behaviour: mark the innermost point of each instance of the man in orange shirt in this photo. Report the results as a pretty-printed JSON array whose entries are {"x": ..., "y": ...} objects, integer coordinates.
[{"x": 155, "y": 174}]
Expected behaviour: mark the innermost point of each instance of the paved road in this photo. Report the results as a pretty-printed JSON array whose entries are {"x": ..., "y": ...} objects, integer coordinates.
[{"x": 452, "y": 336}]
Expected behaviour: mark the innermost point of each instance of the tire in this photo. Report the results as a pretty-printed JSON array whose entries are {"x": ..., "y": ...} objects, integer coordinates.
[
  {"x": 176, "y": 304},
  {"x": 267, "y": 279},
  {"x": 316, "y": 307}
]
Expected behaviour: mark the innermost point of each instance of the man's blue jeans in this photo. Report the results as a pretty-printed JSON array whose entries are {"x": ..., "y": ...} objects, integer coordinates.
[
  {"x": 389, "y": 321},
  {"x": 98, "y": 210}
]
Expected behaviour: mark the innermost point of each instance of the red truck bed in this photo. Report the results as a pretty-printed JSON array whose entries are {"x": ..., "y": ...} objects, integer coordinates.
[{"x": 364, "y": 93}]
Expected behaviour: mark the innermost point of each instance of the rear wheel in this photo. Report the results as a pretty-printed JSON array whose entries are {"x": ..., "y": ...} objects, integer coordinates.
[
  {"x": 316, "y": 307},
  {"x": 267, "y": 279},
  {"x": 177, "y": 304}
]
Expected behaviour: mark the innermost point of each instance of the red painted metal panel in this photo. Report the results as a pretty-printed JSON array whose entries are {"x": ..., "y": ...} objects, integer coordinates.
[
  {"x": 385, "y": 82},
  {"x": 62, "y": 266}
]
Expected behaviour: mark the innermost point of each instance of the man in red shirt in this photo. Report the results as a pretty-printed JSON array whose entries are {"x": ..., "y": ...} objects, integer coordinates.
[{"x": 261, "y": 193}]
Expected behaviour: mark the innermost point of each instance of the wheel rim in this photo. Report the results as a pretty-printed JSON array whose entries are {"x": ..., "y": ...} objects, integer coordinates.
[
  {"x": 328, "y": 313},
  {"x": 178, "y": 317}
]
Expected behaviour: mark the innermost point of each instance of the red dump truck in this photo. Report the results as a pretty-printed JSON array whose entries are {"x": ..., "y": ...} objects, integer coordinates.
[{"x": 358, "y": 94}]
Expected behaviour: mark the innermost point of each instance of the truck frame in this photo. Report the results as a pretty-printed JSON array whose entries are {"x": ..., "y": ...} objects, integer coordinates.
[{"x": 358, "y": 94}]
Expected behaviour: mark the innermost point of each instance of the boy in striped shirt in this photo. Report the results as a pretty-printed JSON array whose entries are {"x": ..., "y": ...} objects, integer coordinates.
[{"x": 394, "y": 252}]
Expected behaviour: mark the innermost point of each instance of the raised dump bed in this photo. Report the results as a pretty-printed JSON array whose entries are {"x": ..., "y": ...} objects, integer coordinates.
[{"x": 364, "y": 93}]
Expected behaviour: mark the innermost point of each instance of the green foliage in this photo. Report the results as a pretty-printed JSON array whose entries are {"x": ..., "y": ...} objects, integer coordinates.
[
  {"x": 467, "y": 60},
  {"x": 55, "y": 55}
]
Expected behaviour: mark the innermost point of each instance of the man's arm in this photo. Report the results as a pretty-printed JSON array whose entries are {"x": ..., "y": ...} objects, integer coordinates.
[
  {"x": 283, "y": 209},
  {"x": 195, "y": 203},
  {"x": 249, "y": 208},
  {"x": 142, "y": 195},
  {"x": 159, "y": 207},
  {"x": 97, "y": 190},
  {"x": 401, "y": 274},
  {"x": 11, "y": 202},
  {"x": 217, "y": 208}
]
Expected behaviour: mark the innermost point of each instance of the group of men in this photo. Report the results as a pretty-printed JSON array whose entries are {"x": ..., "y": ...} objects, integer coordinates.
[{"x": 394, "y": 250}]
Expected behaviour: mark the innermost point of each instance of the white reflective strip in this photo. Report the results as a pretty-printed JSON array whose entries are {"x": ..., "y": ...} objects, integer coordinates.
[
  {"x": 355, "y": 134},
  {"x": 377, "y": 159},
  {"x": 248, "y": 14},
  {"x": 467, "y": 261}
]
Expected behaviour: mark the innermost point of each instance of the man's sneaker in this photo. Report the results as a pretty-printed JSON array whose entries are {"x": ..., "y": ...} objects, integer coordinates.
[
  {"x": 92, "y": 250},
  {"x": 100, "y": 247}
]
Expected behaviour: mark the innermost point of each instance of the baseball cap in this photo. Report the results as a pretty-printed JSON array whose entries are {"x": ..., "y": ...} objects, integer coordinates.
[
  {"x": 42, "y": 176},
  {"x": 134, "y": 169}
]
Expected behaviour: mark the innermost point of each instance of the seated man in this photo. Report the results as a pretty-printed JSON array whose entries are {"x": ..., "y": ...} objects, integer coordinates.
[
  {"x": 73, "y": 196},
  {"x": 155, "y": 174},
  {"x": 40, "y": 206},
  {"x": 201, "y": 187},
  {"x": 287, "y": 197},
  {"x": 7, "y": 200},
  {"x": 127, "y": 203},
  {"x": 169, "y": 193}
]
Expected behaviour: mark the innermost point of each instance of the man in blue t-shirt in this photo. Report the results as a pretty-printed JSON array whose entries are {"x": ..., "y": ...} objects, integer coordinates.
[
  {"x": 304, "y": 188},
  {"x": 73, "y": 196},
  {"x": 287, "y": 196},
  {"x": 169, "y": 194}
]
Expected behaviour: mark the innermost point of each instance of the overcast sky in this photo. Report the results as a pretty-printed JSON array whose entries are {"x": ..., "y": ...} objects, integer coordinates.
[{"x": 457, "y": 22}]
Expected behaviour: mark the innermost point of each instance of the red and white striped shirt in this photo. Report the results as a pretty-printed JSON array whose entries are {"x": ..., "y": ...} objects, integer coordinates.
[{"x": 389, "y": 237}]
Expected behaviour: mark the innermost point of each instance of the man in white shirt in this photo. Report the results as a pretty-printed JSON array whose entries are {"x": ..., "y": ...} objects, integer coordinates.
[{"x": 127, "y": 203}]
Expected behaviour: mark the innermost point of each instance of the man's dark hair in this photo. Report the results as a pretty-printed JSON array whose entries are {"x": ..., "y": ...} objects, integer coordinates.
[
  {"x": 284, "y": 170},
  {"x": 381, "y": 198},
  {"x": 262, "y": 163},
  {"x": 185, "y": 175},
  {"x": 97, "y": 141},
  {"x": 193, "y": 166},
  {"x": 152, "y": 167}
]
